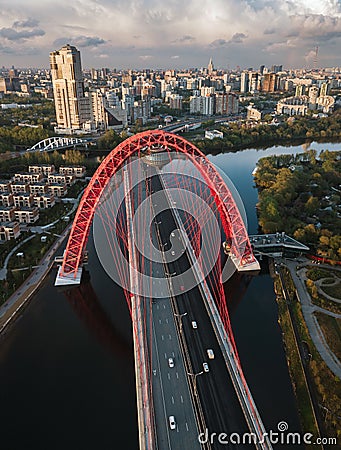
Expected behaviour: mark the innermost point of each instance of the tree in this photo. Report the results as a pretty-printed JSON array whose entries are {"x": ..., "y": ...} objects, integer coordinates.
[{"x": 312, "y": 205}]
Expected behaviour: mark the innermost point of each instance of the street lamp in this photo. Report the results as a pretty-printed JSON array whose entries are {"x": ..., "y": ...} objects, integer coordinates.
[
  {"x": 195, "y": 375},
  {"x": 180, "y": 316}
]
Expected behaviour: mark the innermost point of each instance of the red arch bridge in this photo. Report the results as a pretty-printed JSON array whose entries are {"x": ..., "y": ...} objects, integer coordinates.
[{"x": 156, "y": 203}]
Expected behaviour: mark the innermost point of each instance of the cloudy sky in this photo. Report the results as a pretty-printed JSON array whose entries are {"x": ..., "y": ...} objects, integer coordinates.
[{"x": 172, "y": 33}]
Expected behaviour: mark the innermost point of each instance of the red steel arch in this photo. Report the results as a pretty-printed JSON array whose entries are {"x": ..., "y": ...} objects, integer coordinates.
[{"x": 231, "y": 219}]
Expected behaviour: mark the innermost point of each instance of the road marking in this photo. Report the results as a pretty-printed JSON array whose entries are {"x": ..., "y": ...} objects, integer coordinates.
[
  {"x": 177, "y": 375},
  {"x": 168, "y": 376},
  {"x": 166, "y": 320},
  {"x": 187, "y": 426},
  {"x": 181, "y": 399},
  {"x": 162, "y": 337},
  {"x": 170, "y": 337},
  {"x": 160, "y": 321},
  {"x": 164, "y": 306},
  {"x": 157, "y": 307},
  {"x": 165, "y": 355},
  {"x": 173, "y": 354},
  {"x": 173, "y": 400}
]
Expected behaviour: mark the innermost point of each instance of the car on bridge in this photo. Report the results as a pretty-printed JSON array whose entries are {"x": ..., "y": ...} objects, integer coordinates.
[
  {"x": 172, "y": 423},
  {"x": 210, "y": 353},
  {"x": 171, "y": 362},
  {"x": 205, "y": 367}
]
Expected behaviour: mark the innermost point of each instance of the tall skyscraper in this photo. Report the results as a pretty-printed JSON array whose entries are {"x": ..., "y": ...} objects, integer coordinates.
[
  {"x": 72, "y": 106},
  {"x": 244, "y": 82},
  {"x": 210, "y": 67}
]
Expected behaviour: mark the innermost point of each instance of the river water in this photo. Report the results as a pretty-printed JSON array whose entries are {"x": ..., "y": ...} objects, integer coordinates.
[{"x": 66, "y": 365}]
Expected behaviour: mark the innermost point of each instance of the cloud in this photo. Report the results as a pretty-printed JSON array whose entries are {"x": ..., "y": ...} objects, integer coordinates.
[
  {"x": 80, "y": 41},
  {"x": 310, "y": 56},
  {"x": 193, "y": 30},
  {"x": 175, "y": 57},
  {"x": 145, "y": 57},
  {"x": 187, "y": 38},
  {"x": 28, "y": 23},
  {"x": 269, "y": 31},
  {"x": 218, "y": 43},
  {"x": 237, "y": 38},
  {"x": 13, "y": 35},
  {"x": 316, "y": 26},
  {"x": 6, "y": 50}
]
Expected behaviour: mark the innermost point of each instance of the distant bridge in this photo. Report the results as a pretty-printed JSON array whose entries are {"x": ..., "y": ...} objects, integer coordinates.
[{"x": 58, "y": 143}]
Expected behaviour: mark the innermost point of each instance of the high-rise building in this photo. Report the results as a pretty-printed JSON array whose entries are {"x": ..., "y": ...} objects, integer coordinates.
[
  {"x": 244, "y": 82},
  {"x": 202, "y": 105},
  {"x": 72, "y": 106},
  {"x": 269, "y": 82},
  {"x": 226, "y": 103},
  {"x": 324, "y": 89},
  {"x": 97, "y": 102},
  {"x": 175, "y": 101},
  {"x": 210, "y": 67}
]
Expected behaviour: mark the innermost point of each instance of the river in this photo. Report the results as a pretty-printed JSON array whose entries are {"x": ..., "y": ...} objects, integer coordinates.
[{"x": 66, "y": 365}]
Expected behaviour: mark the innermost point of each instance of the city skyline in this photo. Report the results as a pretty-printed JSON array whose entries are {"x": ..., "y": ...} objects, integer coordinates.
[{"x": 149, "y": 33}]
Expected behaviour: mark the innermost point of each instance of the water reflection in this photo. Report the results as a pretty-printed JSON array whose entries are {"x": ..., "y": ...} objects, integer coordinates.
[{"x": 89, "y": 310}]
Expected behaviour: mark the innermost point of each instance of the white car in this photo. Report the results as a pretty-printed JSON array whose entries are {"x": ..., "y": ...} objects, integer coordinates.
[
  {"x": 194, "y": 325},
  {"x": 205, "y": 367},
  {"x": 210, "y": 353},
  {"x": 171, "y": 362},
  {"x": 172, "y": 423}
]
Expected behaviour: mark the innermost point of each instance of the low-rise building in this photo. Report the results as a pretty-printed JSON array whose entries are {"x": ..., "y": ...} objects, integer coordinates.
[
  {"x": 39, "y": 188},
  {"x": 19, "y": 186},
  {"x": 5, "y": 186},
  {"x": 45, "y": 169},
  {"x": 57, "y": 190},
  {"x": 253, "y": 113},
  {"x": 28, "y": 177},
  {"x": 23, "y": 199},
  {"x": 7, "y": 213},
  {"x": 27, "y": 215},
  {"x": 6, "y": 199},
  {"x": 44, "y": 201},
  {"x": 77, "y": 171},
  {"x": 9, "y": 230},
  {"x": 61, "y": 179},
  {"x": 213, "y": 134}
]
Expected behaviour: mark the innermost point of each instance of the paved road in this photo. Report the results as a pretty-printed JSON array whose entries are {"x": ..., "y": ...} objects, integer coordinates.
[
  {"x": 221, "y": 407},
  {"x": 170, "y": 387},
  {"x": 308, "y": 310}
]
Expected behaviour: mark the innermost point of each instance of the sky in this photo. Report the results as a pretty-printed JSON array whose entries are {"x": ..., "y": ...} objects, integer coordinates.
[{"x": 172, "y": 33}]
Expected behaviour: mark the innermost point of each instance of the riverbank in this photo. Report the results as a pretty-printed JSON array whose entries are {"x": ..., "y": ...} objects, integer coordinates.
[
  {"x": 20, "y": 298},
  {"x": 312, "y": 366}
]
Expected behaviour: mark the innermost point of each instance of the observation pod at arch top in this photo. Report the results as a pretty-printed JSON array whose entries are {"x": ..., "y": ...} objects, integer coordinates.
[{"x": 156, "y": 142}]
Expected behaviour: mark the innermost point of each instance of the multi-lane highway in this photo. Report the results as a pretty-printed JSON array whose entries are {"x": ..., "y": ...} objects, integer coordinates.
[
  {"x": 215, "y": 402},
  {"x": 175, "y": 417}
]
